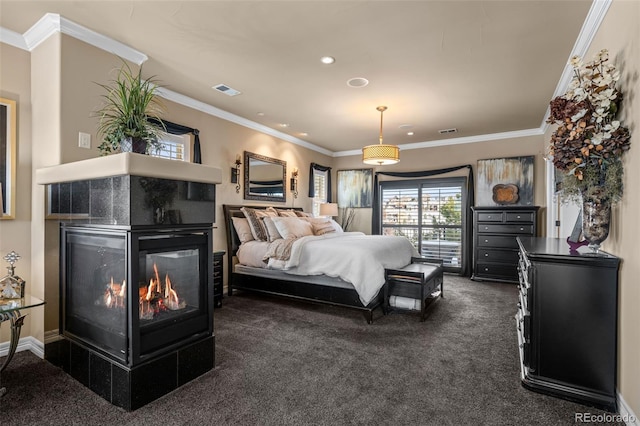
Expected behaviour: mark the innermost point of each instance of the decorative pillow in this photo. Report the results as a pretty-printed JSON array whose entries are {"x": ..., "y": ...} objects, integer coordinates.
[
  {"x": 258, "y": 228},
  {"x": 321, "y": 228},
  {"x": 292, "y": 227},
  {"x": 303, "y": 214},
  {"x": 272, "y": 230},
  {"x": 242, "y": 229},
  {"x": 272, "y": 211},
  {"x": 287, "y": 213}
]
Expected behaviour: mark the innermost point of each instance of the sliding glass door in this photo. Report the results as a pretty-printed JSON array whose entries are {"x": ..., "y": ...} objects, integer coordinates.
[{"x": 429, "y": 213}]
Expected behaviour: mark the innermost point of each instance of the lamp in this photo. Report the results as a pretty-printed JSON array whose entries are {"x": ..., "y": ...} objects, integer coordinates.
[
  {"x": 294, "y": 182},
  {"x": 381, "y": 154},
  {"x": 235, "y": 173},
  {"x": 329, "y": 209}
]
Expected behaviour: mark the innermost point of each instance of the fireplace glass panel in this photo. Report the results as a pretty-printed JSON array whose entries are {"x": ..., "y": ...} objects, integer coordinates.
[
  {"x": 170, "y": 287},
  {"x": 96, "y": 296}
]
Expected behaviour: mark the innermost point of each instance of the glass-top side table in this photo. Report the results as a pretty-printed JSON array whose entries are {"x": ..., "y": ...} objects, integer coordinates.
[{"x": 10, "y": 311}]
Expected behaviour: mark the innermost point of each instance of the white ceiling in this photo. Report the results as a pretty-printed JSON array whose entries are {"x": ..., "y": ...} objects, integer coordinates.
[{"x": 482, "y": 67}]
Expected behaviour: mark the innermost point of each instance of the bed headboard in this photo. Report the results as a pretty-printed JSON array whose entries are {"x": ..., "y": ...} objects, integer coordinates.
[{"x": 233, "y": 242}]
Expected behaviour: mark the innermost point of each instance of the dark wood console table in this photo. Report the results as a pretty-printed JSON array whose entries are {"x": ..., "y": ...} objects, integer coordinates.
[{"x": 10, "y": 311}]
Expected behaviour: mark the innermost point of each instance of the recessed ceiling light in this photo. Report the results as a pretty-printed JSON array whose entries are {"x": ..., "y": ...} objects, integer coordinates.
[
  {"x": 405, "y": 126},
  {"x": 409, "y": 133},
  {"x": 357, "y": 82},
  {"x": 284, "y": 125},
  {"x": 261, "y": 114},
  {"x": 327, "y": 60},
  {"x": 304, "y": 134}
]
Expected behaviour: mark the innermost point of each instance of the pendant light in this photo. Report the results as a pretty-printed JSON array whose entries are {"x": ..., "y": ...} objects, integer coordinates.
[{"x": 381, "y": 154}]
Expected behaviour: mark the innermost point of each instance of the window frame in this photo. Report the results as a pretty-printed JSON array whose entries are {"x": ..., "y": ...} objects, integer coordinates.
[{"x": 420, "y": 185}]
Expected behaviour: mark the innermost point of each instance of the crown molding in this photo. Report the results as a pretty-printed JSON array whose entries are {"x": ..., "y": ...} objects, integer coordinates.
[
  {"x": 456, "y": 141},
  {"x": 52, "y": 23},
  {"x": 225, "y": 115},
  {"x": 12, "y": 38},
  {"x": 588, "y": 31}
]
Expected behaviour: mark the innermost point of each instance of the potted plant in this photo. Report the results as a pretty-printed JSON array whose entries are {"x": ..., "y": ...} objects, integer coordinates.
[{"x": 130, "y": 115}]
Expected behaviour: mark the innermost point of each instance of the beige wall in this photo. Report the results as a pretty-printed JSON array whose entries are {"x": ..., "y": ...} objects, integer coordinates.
[
  {"x": 15, "y": 84},
  {"x": 455, "y": 155},
  {"x": 620, "y": 34}
]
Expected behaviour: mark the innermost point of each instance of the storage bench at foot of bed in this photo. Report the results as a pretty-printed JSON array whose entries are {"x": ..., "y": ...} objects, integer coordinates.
[{"x": 418, "y": 280}]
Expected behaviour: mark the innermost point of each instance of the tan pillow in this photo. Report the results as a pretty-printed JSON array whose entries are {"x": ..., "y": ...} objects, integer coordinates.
[
  {"x": 243, "y": 230},
  {"x": 321, "y": 225},
  {"x": 258, "y": 228},
  {"x": 272, "y": 230},
  {"x": 287, "y": 213},
  {"x": 292, "y": 227},
  {"x": 303, "y": 214},
  {"x": 321, "y": 228}
]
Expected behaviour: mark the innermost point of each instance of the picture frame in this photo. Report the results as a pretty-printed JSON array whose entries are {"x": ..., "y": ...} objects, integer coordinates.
[
  {"x": 355, "y": 188},
  {"x": 8, "y": 145},
  {"x": 513, "y": 176}
]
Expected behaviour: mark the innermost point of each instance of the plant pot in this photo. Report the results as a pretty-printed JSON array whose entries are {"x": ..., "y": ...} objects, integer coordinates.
[
  {"x": 137, "y": 145},
  {"x": 596, "y": 218}
]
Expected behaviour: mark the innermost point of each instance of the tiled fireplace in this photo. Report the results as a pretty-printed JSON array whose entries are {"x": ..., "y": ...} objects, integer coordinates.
[{"x": 136, "y": 290}]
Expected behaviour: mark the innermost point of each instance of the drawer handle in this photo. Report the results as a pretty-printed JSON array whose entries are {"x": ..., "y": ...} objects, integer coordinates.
[
  {"x": 486, "y": 227},
  {"x": 486, "y": 255},
  {"x": 489, "y": 217},
  {"x": 486, "y": 269},
  {"x": 486, "y": 241},
  {"x": 522, "y": 229},
  {"x": 518, "y": 216}
]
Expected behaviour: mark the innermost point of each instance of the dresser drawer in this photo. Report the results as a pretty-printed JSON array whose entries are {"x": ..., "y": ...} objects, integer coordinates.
[
  {"x": 490, "y": 216},
  {"x": 498, "y": 270},
  {"x": 520, "y": 217},
  {"x": 497, "y": 241},
  {"x": 505, "y": 229},
  {"x": 490, "y": 255}
]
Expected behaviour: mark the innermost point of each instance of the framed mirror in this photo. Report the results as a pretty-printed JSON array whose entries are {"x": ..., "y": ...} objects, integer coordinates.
[
  {"x": 264, "y": 178},
  {"x": 7, "y": 158}
]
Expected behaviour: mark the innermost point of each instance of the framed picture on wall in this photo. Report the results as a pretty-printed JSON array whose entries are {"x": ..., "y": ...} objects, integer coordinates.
[
  {"x": 505, "y": 181},
  {"x": 355, "y": 188}
]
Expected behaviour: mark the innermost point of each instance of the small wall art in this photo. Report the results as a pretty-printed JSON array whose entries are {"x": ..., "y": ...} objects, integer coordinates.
[
  {"x": 505, "y": 181},
  {"x": 355, "y": 188}
]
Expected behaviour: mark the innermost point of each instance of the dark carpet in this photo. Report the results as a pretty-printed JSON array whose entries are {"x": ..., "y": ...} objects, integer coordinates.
[{"x": 282, "y": 362}]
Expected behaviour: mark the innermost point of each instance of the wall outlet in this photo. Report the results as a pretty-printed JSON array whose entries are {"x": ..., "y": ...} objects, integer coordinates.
[{"x": 84, "y": 140}]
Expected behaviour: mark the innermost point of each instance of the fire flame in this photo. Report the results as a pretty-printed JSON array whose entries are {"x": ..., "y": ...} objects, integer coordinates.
[{"x": 152, "y": 298}]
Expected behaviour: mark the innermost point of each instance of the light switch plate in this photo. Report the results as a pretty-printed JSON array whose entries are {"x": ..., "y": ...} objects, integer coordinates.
[{"x": 84, "y": 140}]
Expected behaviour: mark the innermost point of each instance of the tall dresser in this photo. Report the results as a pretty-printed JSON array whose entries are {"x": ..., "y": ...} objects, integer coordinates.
[
  {"x": 495, "y": 250},
  {"x": 567, "y": 321}
]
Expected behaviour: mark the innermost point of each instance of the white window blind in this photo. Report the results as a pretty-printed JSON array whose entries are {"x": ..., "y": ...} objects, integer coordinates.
[
  {"x": 428, "y": 213},
  {"x": 320, "y": 190},
  {"x": 174, "y": 147}
]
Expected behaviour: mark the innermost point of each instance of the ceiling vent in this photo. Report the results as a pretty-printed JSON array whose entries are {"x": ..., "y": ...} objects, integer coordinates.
[
  {"x": 223, "y": 88},
  {"x": 447, "y": 131}
]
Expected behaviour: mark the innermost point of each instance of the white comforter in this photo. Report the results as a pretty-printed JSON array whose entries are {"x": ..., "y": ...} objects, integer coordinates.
[{"x": 353, "y": 256}]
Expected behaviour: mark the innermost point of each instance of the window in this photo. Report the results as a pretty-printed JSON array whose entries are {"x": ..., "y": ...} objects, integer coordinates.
[
  {"x": 174, "y": 147},
  {"x": 429, "y": 213},
  {"x": 320, "y": 188}
]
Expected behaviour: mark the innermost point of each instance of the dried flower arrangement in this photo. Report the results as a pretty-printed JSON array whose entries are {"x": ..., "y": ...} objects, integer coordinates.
[{"x": 589, "y": 142}]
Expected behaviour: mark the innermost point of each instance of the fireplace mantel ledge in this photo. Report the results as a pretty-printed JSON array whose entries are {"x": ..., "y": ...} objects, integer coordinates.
[{"x": 128, "y": 163}]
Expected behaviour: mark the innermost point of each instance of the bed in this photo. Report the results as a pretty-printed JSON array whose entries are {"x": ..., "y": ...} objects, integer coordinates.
[{"x": 295, "y": 283}]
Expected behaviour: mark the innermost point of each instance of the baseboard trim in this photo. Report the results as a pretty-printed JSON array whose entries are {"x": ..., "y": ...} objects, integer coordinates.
[
  {"x": 627, "y": 414},
  {"x": 25, "y": 344}
]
